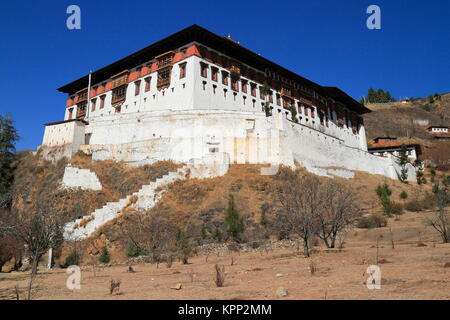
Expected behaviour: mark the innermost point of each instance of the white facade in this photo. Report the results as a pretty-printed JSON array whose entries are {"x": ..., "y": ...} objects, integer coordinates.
[
  {"x": 84, "y": 179},
  {"x": 197, "y": 116}
]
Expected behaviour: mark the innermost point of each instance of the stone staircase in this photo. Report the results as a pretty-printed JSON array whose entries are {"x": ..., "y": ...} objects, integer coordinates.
[{"x": 146, "y": 198}]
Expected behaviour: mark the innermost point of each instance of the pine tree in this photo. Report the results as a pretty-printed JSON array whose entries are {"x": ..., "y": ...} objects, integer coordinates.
[
  {"x": 104, "y": 255},
  {"x": 234, "y": 221},
  {"x": 402, "y": 161},
  {"x": 384, "y": 194},
  {"x": 8, "y": 137},
  {"x": 419, "y": 172},
  {"x": 403, "y": 195}
]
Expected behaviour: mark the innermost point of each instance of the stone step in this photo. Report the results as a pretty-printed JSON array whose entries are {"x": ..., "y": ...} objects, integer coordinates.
[{"x": 147, "y": 197}]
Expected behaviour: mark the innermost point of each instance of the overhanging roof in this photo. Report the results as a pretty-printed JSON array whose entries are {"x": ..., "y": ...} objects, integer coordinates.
[
  {"x": 214, "y": 41},
  {"x": 339, "y": 95}
]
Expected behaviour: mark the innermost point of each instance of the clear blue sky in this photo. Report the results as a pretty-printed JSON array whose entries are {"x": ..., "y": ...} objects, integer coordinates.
[{"x": 326, "y": 41}]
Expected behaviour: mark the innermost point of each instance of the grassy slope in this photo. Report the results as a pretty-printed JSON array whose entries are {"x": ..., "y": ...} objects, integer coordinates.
[{"x": 397, "y": 119}]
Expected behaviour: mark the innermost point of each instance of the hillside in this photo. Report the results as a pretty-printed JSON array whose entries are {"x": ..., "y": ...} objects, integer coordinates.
[{"x": 408, "y": 121}]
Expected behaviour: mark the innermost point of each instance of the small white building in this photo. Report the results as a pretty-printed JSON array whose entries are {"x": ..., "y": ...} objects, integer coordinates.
[
  {"x": 413, "y": 151},
  {"x": 437, "y": 129}
]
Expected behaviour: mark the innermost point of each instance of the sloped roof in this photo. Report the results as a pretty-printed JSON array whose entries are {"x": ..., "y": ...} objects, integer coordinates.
[{"x": 214, "y": 41}]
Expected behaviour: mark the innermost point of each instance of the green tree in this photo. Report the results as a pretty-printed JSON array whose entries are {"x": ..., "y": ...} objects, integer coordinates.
[
  {"x": 419, "y": 172},
  {"x": 104, "y": 255},
  {"x": 217, "y": 235},
  {"x": 8, "y": 138},
  {"x": 402, "y": 161},
  {"x": 379, "y": 96},
  {"x": 293, "y": 114},
  {"x": 403, "y": 195},
  {"x": 384, "y": 193},
  {"x": 263, "y": 220},
  {"x": 183, "y": 246},
  {"x": 433, "y": 175},
  {"x": 234, "y": 221}
]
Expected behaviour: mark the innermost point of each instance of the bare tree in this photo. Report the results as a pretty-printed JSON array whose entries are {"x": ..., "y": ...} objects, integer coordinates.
[
  {"x": 150, "y": 233},
  {"x": 337, "y": 212},
  {"x": 440, "y": 220},
  {"x": 39, "y": 232},
  {"x": 300, "y": 202},
  {"x": 219, "y": 278},
  {"x": 10, "y": 246}
]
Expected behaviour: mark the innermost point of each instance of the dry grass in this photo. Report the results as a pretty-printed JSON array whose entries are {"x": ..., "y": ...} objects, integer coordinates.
[
  {"x": 411, "y": 272},
  {"x": 37, "y": 184}
]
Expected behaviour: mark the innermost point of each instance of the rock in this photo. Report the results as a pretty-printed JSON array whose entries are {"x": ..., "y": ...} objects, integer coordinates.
[
  {"x": 381, "y": 261},
  {"x": 282, "y": 292},
  {"x": 25, "y": 265},
  {"x": 447, "y": 265},
  {"x": 279, "y": 275},
  {"x": 421, "y": 244},
  {"x": 178, "y": 286}
]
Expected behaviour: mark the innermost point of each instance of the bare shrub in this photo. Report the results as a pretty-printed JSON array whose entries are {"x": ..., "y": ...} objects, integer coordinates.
[
  {"x": 392, "y": 238},
  {"x": 152, "y": 234},
  {"x": 312, "y": 267},
  {"x": 191, "y": 275},
  {"x": 440, "y": 218},
  {"x": 219, "y": 279},
  {"x": 169, "y": 261},
  {"x": 114, "y": 286}
]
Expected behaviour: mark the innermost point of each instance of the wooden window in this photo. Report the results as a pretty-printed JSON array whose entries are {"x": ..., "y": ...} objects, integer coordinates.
[
  {"x": 234, "y": 84},
  {"x": 147, "y": 84},
  {"x": 214, "y": 73},
  {"x": 182, "y": 70},
  {"x": 102, "y": 101},
  {"x": 164, "y": 65},
  {"x": 70, "y": 113},
  {"x": 81, "y": 109},
  {"x": 137, "y": 87},
  {"x": 203, "y": 69},
  {"x": 244, "y": 86},
  {"x": 278, "y": 100},
  {"x": 119, "y": 94},
  {"x": 93, "y": 102},
  {"x": 120, "y": 79},
  {"x": 225, "y": 78},
  {"x": 82, "y": 95},
  {"x": 270, "y": 96},
  {"x": 261, "y": 94},
  {"x": 164, "y": 78},
  {"x": 165, "y": 59},
  {"x": 253, "y": 89}
]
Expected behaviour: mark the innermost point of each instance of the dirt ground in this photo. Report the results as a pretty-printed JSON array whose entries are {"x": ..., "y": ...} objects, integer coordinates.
[{"x": 414, "y": 269}]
